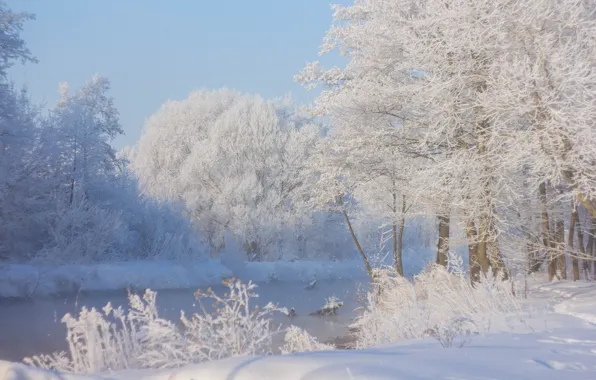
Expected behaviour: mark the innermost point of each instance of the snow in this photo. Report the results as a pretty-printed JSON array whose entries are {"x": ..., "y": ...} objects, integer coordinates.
[
  {"x": 20, "y": 280},
  {"x": 500, "y": 356},
  {"x": 546, "y": 355},
  {"x": 576, "y": 299},
  {"x": 562, "y": 344}
]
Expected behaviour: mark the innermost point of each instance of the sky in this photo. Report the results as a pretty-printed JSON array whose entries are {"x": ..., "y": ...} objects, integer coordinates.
[{"x": 156, "y": 50}]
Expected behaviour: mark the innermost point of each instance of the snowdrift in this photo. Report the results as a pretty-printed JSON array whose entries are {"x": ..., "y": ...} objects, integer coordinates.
[{"x": 546, "y": 356}]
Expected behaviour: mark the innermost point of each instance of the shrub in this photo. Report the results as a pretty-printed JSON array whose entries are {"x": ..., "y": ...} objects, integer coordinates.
[
  {"x": 298, "y": 340},
  {"x": 234, "y": 328},
  {"x": 112, "y": 339},
  {"x": 397, "y": 309}
]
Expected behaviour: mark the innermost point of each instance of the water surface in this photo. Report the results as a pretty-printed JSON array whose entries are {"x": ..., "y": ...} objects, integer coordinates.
[{"x": 32, "y": 326}]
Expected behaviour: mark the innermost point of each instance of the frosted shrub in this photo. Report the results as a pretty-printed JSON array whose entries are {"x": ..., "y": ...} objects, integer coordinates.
[
  {"x": 111, "y": 339},
  {"x": 234, "y": 328},
  {"x": 161, "y": 344},
  {"x": 82, "y": 232},
  {"x": 458, "y": 330},
  {"x": 160, "y": 230},
  {"x": 333, "y": 303},
  {"x": 397, "y": 309},
  {"x": 392, "y": 312},
  {"x": 97, "y": 344},
  {"x": 298, "y": 340}
]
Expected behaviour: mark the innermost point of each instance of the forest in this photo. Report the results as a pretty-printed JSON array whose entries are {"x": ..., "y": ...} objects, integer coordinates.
[{"x": 453, "y": 129}]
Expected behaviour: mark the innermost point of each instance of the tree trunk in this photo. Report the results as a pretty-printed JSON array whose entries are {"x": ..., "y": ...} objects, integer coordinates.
[
  {"x": 533, "y": 249},
  {"x": 589, "y": 204},
  {"x": 582, "y": 249},
  {"x": 570, "y": 247},
  {"x": 590, "y": 246},
  {"x": 496, "y": 259},
  {"x": 443, "y": 244},
  {"x": 356, "y": 242},
  {"x": 546, "y": 234},
  {"x": 561, "y": 258},
  {"x": 535, "y": 257},
  {"x": 74, "y": 170},
  {"x": 358, "y": 247},
  {"x": 482, "y": 247},
  {"x": 400, "y": 237},
  {"x": 395, "y": 257},
  {"x": 553, "y": 248},
  {"x": 473, "y": 263},
  {"x": 72, "y": 185}
]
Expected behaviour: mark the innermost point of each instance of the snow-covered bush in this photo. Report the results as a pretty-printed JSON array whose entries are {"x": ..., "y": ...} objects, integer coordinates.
[
  {"x": 235, "y": 328},
  {"x": 113, "y": 339},
  {"x": 455, "y": 330},
  {"x": 152, "y": 229},
  {"x": 397, "y": 309},
  {"x": 81, "y": 233},
  {"x": 102, "y": 341},
  {"x": 392, "y": 312},
  {"x": 117, "y": 225},
  {"x": 299, "y": 340}
]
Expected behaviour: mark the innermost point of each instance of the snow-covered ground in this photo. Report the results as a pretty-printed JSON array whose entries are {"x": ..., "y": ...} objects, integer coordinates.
[
  {"x": 19, "y": 281},
  {"x": 558, "y": 341}
]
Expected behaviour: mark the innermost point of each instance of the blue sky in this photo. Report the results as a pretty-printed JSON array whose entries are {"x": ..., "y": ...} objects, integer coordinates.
[{"x": 155, "y": 50}]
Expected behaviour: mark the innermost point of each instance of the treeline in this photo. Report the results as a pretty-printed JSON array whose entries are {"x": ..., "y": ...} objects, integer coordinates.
[
  {"x": 240, "y": 165},
  {"x": 65, "y": 195},
  {"x": 220, "y": 171},
  {"x": 474, "y": 116},
  {"x": 480, "y": 113}
]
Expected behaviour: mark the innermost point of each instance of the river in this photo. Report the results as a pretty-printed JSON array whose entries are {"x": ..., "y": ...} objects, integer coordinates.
[{"x": 32, "y": 326}]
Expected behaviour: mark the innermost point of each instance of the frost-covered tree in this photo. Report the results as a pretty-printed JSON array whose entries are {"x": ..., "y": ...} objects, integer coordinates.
[
  {"x": 65, "y": 195},
  {"x": 18, "y": 168},
  {"x": 360, "y": 169},
  {"x": 234, "y": 161},
  {"x": 491, "y": 94},
  {"x": 22, "y": 181},
  {"x": 97, "y": 213},
  {"x": 541, "y": 94},
  {"x": 83, "y": 125},
  {"x": 53, "y": 210},
  {"x": 12, "y": 46}
]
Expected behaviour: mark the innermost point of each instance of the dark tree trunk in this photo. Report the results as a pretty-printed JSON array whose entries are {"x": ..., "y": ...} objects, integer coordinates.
[
  {"x": 580, "y": 241},
  {"x": 443, "y": 244},
  {"x": 356, "y": 242},
  {"x": 590, "y": 248},
  {"x": 473, "y": 263},
  {"x": 547, "y": 240},
  {"x": 561, "y": 257},
  {"x": 400, "y": 237},
  {"x": 570, "y": 245}
]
